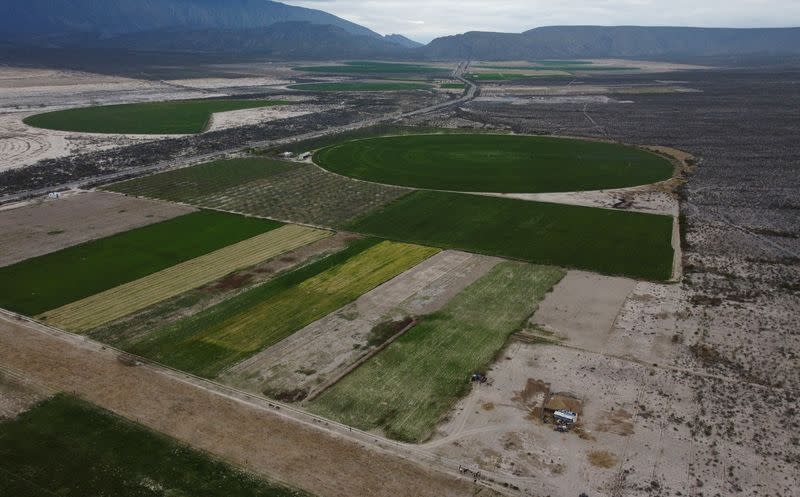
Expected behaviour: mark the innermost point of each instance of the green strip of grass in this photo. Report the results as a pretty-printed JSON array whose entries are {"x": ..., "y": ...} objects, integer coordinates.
[
  {"x": 602, "y": 240},
  {"x": 177, "y": 117},
  {"x": 69, "y": 448},
  {"x": 367, "y": 67},
  {"x": 208, "y": 342},
  {"x": 191, "y": 184},
  {"x": 360, "y": 86},
  {"x": 50, "y": 281},
  {"x": 406, "y": 389},
  {"x": 452, "y": 86}
]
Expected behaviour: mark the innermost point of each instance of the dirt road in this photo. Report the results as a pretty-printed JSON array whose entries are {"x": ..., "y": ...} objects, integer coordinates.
[{"x": 244, "y": 433}]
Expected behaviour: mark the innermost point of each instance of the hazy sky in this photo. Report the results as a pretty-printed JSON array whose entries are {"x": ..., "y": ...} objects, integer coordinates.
[{"x": 424, "y": 20}]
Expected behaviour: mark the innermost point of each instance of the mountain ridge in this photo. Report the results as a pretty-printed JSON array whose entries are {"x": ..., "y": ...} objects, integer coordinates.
[
  {"x": 273, "y": 29},
  {"x": 615, "y": 41}
]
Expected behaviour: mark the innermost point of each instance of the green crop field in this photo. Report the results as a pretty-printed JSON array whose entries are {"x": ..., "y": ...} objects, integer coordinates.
[
  {"x": 69, "y": 448},
  {"x": 159, "y": 118},
  {"x": 301, "y": 193},
  {"x": 406, "y": 389},
  {"x": 53, "y": 280},
  {"x": 368, "y": 67},
  {"x": 207, "y": 342},
  {"x": 495, "y": 163},
  {"x": 388, "y": 86},
  {"x": 603, "y": 240}
]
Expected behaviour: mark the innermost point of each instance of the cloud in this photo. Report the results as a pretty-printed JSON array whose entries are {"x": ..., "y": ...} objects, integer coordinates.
[{"x": 433, "y": 18}]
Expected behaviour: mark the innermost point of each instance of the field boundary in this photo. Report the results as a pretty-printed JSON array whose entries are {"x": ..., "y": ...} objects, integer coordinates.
[
  {"x": 136, "y": 295},
  {"x": 366, "y": 357},
  {"x": 413, "y": 453}
]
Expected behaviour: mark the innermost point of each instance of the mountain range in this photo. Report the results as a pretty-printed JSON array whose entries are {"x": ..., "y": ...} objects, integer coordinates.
[{"x": 275, "y": 30}]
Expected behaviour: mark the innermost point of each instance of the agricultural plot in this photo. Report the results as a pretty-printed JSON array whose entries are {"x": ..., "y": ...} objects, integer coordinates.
[
  {"x": 128, "y": 298},
  {"x": 495, "y": 163},
  {"x": 602, "y": 240},
  {"x": 152, "y": 118},
  {"x": 407, "y": 388},
  {"x": 281, "y": 190},
  {"x": 356, "y": 86},
  {"x": 192, "y": 184},
  {"x": 212, "y": 340},
  {"x": 67, "y": 447},
  {"x": 50, "y": 281},
  {"x": 371, "y": 67},
  {"x": 314, "y": 357},
  {"x": 134, "y": 327},
  {"x": 48, "y": 226}
]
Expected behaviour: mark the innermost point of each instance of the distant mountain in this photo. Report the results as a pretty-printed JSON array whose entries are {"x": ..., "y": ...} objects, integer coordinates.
[
  {"x": 402, "y": 41},
  {"x": 274, "y": 29},
  {"x": 621, "y": 41},
  {"x": 288, "y": 40},
  {"x": 49, "y": 22}
]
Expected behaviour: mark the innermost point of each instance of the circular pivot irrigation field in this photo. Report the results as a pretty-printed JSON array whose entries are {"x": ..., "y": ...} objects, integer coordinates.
[
  {"x": 150, "y": 118},
  {"x": 495, "y": 163}
]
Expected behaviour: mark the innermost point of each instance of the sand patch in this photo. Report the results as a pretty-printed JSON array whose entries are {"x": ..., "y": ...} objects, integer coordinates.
[{"x": 582, "y": 308}]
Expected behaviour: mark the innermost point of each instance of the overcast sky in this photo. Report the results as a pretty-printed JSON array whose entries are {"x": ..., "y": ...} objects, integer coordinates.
[{"x": 424, "y": 20}]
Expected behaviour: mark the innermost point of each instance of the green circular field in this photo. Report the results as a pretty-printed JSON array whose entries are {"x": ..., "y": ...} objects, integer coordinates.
[
  {"x": 160, "y": 118},
  {"x": 494, "y": 163}
]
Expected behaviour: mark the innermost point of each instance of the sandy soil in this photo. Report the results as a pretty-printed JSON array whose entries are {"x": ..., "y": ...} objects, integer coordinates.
[
  {"x": 325, "y": 348},
  {"x": 236, "y": 118},
  {"x": 46, "y": 225},
  {"x": 245, "y": 432},
  {"x": 640, "y": 404},
  {"x": 504, "y": 438},
  {"x": 24, "y": 92},
  {"x": 640, "y": 199},
  {"x": 582, "y": 308},
  {"x": 44, "y": 89},
  {"x": 17, "y": 395},
  {"x": 22, "y": 145},
  {"x": 226, "y": 83}
]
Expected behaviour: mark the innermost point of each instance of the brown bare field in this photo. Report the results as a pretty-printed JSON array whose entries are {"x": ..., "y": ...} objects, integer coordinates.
[
  {"x": 582, "y": 308},
  {"x": 298, "y": 365},
  {"x": 44, "y": 226},
  {"x": 125, "y": 299},
  {"x": 17, "y": 395},
  {"x": 247, "y": 434}
]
